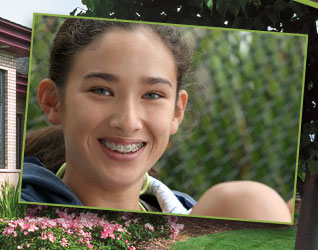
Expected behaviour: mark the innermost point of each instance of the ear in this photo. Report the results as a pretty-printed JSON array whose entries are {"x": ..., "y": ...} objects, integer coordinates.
[
  {"x": 49, "y": 100},
  {"x": 179, "y": 111}
]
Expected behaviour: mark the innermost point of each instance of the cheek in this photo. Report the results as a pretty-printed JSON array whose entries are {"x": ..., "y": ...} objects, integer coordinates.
[
  {"x": 160, "y": 122},
  {"x": 80, "y": 118}
]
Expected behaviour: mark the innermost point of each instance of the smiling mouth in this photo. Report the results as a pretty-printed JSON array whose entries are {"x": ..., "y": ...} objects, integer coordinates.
[{"x": 123, "y": 148}]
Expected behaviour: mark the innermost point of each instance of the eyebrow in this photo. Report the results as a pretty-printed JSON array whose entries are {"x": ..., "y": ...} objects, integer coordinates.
[
  {"x": 155, "y": 80},
  {"x": 104, "y": 76},
  {"x": 112, "y": 78}
]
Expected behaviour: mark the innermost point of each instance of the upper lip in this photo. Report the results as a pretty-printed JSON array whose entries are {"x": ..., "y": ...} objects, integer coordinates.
[{"x": 122, "y": 141}]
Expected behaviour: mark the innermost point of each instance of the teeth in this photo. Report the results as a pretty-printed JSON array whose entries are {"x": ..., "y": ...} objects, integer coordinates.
[
  {"x": 123, "y": 148},
  {"x": 120, "y": 148}
]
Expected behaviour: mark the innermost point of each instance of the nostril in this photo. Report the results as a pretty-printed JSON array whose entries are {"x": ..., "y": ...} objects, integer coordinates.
[{"x": 126, "y": 122}]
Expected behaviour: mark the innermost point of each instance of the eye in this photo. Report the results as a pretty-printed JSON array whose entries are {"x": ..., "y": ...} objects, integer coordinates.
[
  {"x": 101, "y": 91},
  {"x": 152, "y": 96}
]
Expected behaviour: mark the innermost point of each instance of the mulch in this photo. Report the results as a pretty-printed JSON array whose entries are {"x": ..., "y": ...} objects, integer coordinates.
[{"x": 194, "y": 227}]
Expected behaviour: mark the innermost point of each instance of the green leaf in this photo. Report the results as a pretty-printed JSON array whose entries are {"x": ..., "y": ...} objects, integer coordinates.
[
  {"x": 234, "y": 7},
  {"x": 280, "y": 5},
  {"x": 274, "y": 16},
  {"x": 209, "y": 3},
  {"x": 241, "y": 22},
  {"x": 85, "y": 2},
  {"x": 90, "y": 13},
  {"x": 193, "y": 3},
  {"x": 257, "y": 3},
  {"x": 221, "y": 6},
  {"x": 258, "y": 24},
  {"x": 72, "y": 13},
  {"x": 304, "y": 141},
  {"x": 89, "y": 4},
  {"x": 313, "y": 166},
  {"x": 126, "y": 1},
  {"x": 313, "y": 128},
  {"x": 243, "y": 4}
]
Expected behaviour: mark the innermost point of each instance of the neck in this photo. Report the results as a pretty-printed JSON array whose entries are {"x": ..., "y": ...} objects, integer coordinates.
[{"x": 92, "y": 194}]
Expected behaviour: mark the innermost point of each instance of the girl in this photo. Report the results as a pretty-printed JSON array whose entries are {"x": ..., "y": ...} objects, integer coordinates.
[{"x": 115, "y": 90}]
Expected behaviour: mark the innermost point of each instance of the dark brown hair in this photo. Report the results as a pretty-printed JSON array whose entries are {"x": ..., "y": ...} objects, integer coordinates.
[
  {"x": 74, "y": 35},
  {"x": 47, "y": 145}
]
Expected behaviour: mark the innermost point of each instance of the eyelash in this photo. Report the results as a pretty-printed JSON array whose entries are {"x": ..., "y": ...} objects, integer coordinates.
[
  {"x": 158, "y": 96},
  {"x": 101, "y": 91}
]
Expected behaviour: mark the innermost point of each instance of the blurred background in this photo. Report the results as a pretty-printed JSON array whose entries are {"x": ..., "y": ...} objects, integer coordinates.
[{"x": 244, "y": 114}]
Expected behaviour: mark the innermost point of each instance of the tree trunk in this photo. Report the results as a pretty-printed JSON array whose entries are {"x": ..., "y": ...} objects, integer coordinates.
[{"x": 307, "y": 232}]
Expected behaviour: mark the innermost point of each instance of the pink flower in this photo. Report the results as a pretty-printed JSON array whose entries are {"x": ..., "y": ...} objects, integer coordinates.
[
  {"x": 9, "y": 230},
  {"x": 51, "y": 237},
  {"x": 123, "y": 217},
  {"x": 127, "y": 223},
  {"x": 43, "y": 236},
  {"x": 107, "y": 232},
  {"x": 64, "y": 242},
  {"x": 135, "y": 220},
  {"x": 90, "y": 246},
  {"x": 32, "y": 228},
  {"x": 172, "y": 219},
  {"x": 149, "y": 226},
  {"x": 69, "y": 224},
  {"x": 175, "y": 229},
  {"x": 129, "y": 247}
]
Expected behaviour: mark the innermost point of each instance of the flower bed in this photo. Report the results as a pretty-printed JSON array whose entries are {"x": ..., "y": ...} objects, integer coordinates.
[{"x": 55, "y": 228}]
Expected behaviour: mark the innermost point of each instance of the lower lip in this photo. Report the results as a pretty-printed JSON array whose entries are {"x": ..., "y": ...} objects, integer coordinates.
[{"x": 121, "y": 157}]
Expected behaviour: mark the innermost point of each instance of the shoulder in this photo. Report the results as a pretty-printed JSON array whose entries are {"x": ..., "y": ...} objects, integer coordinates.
[
  {"x": 41, "y": 185},
  {"x": 244, "y": 200}
]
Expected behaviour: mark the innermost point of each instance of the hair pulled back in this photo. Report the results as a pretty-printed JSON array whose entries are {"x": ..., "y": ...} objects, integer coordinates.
[{"x": 76, "y": 34}]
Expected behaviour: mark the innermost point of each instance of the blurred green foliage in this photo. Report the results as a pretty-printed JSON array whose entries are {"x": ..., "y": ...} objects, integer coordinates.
[
  {"x": 250, "y": 108},
  {"x": 44, "y": 31}
]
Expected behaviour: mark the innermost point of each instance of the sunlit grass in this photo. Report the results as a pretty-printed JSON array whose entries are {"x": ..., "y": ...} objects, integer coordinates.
[{"x": 260, "y": 239}]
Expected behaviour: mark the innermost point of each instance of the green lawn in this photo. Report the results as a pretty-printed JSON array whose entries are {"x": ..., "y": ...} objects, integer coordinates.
[{"x": 260, "y": 239}]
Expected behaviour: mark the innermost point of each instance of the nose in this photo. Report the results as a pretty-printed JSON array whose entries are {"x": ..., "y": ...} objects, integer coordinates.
[{"x": 126, "y": 116}]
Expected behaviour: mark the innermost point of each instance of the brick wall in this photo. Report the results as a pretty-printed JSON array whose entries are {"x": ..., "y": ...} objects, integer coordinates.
[{"x": 8, "y": 65}]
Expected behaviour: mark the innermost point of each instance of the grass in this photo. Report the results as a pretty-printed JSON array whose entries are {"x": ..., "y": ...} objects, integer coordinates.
[
  {"x": 9, "y": 206},
  {"x": 260, "y": 239}
]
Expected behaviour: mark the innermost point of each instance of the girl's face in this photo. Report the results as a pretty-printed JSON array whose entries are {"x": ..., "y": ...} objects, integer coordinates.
[{"x": 119, "y": 107}]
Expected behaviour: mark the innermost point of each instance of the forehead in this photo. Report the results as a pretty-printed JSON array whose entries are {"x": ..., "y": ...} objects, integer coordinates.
[
  {"x": 137, "y": 51},
  {"x": 135, "y": 33},
  {"x": 140, "y": 39}
]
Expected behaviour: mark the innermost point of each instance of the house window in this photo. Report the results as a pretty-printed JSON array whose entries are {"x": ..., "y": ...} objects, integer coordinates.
[
  {"x": 2, "y": 120},
  {"x": 19, "y": 139}
]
